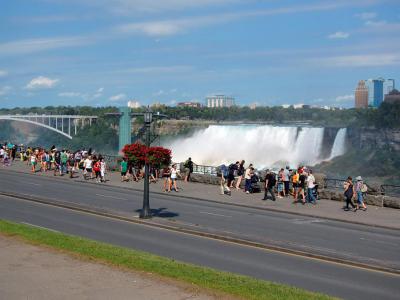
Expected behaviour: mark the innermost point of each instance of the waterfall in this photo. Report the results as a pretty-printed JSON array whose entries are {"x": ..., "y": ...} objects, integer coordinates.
[
  {"x": 339, "y": 145},
  {"x": 262, "y": 145}
]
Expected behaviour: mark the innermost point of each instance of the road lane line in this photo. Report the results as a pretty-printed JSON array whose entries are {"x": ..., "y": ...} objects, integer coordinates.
[
  {"x": 113, "y": 197},
  {"x": 33, "y": 225},
  {"x": 212, "y": 214},
  {"x": 243, "y": 243},
  {"x": 37, "y": 184}
]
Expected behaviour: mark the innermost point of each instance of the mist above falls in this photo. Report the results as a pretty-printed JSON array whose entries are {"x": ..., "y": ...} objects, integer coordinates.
[{"x": 262, "y": 145}]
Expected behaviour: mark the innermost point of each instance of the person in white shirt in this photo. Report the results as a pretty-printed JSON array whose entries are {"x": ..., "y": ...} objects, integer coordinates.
[
  {"x": 88, "y": 167},
  {"x": 103, "y": 170},
  {"x": 311, "y": 187},
  {"x": 174, "y": 175}
]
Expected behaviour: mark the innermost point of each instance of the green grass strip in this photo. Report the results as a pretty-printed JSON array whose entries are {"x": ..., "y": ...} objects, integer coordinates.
[{"x": 229, "y": 283}]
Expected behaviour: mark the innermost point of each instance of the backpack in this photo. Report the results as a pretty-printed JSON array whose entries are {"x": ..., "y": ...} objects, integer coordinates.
[
  {"x": 186, "y": 164},
  {"x": 295, "y": 178},
  {"x": 96, "y": 166},
  {"x": 223, "y": 171},
  {"x": 364, "y": 188}
]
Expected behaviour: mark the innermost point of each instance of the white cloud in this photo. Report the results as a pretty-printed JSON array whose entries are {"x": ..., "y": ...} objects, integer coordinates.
[
  {"x": 70, "y": 94},
  {"x": 360, "y": 60},
  {"x": 159, "y": 93},
  {"x": 339, "y": 35},
  {"x": 41, "y": 82},
  {"x": 118, "y": 97},
  {"x": 158, "y": 69},
  {"x": 3, "y": 73},
  {"x": 175, "y": 26},
  {"x": 41, "y": 44},
  {"x": 4, "y": 90},
  {"x": 366, "y": 15},
  {"x": 100, "y": 90},
  {"x": 126, "y": 7},
  {"x": 345, "y": 98},
  {"x": 375, "y": 23}
]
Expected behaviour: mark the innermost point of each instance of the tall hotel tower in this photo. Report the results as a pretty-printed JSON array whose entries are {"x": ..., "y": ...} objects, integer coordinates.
[{"x": 361, "y": 95}]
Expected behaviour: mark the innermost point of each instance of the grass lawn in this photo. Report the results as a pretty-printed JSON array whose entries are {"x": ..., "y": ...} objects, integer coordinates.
[{"x": 229, "y": 283}]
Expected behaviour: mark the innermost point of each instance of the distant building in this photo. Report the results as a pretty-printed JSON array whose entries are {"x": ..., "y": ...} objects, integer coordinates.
[
  {"x": 189, "y": 104},
  {"x": 133, "y": 104},
  {"x": 393, "y": 97},
  {"x": 361, "y": 95},
  {"x": 378, "y": 91},
  {"x": 220, "y": 101}
]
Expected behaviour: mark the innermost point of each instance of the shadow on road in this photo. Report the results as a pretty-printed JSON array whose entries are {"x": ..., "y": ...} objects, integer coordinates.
[{"x": 161, "y": 213}]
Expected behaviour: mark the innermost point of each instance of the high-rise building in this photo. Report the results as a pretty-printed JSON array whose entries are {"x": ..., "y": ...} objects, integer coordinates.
[
  {"x": 361, "y": 95},
  {"x": 378, "y": 91},
  {"x": 220, "y": 101}
]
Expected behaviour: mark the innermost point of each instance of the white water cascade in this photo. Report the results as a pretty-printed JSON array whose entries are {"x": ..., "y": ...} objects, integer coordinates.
[
  {"x": 262, "y": 145},
  {"x": 339, "y": 145}
]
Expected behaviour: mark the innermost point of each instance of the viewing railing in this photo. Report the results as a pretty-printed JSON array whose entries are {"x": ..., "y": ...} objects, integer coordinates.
[
  {"x": 205, "y": 170},
  {"x": 333, "y": 183},
  {"x": 390, "y": 190}
]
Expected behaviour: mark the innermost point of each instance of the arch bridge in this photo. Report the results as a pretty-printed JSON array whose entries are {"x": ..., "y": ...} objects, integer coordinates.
[{"x": 66, "y": 125}]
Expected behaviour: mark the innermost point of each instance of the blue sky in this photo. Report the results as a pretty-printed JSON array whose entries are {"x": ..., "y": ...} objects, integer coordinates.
[{"x": 269, "y": 52}]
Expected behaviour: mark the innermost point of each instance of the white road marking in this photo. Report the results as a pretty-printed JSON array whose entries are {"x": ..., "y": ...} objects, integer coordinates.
[
  {"x": 113, "y": 197},
  {"x": 39, "y": 226},
  {"x": 37, "y": 184},
  {"x": 212, "y": 214},
  {"x": 307, "y": 221}
]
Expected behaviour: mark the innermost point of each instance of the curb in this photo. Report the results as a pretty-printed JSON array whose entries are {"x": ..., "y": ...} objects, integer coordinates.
[
  {"x": 271, "y": 209},
  {"x": 217, "y": 237}
]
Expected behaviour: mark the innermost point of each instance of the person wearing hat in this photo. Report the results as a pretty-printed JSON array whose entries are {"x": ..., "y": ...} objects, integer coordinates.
[{"x": 359, "y": 192}]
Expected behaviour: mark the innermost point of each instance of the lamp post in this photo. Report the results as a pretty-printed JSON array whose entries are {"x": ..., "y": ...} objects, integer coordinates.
[{"x": 145, "y": 213}]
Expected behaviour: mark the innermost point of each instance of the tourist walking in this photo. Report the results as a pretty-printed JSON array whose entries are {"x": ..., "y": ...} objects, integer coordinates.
[
  {"x": 281, "y": 185},
  {"x": 103, "y": 170},
  {"x": 240, "y": 173},
  {"x": 310, "y": 188},
  {"x": 361, "y": 188},
  {"x": 270, "y": 181},
  {"x": 166, "y": 174},
  {"x": 225, "y": 190},
  {"x": 124, "y": 169},
  {"x": 188, "y": 169},
  {"x": 349, "y": 193},
  {"x": 174, "y": 177},
  {"x": 247, "y": 176},
  {"x": 286, "y": 177}
]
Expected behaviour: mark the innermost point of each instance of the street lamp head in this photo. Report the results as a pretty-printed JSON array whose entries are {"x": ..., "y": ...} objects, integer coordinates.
[{"x": 148, "y": 116}]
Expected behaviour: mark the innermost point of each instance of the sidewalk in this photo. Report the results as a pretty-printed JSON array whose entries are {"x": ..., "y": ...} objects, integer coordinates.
[
  {"x": 374, "y": 216},
  {"x": 32, "y": 272}
]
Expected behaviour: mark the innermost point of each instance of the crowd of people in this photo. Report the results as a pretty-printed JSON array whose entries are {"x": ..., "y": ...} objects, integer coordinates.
[{"x": 298, "y": 183}]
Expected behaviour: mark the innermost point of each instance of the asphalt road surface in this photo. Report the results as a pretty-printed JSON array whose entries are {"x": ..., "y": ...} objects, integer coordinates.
[
  {"x": 357, "y": 243},
  {"x": 330, "y": 278},
  {"x": 334, "y": 279}
]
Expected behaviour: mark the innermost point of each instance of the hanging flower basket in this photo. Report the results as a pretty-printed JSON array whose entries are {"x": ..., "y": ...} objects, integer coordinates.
[{"x": 138, "y": 154}]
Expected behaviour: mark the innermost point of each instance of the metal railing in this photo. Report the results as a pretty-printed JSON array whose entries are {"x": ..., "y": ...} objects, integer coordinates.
[
  {"x": 390, "y": 190},
  {"x": 333, "y": 183},
  {"x": 204, "y": 170}
]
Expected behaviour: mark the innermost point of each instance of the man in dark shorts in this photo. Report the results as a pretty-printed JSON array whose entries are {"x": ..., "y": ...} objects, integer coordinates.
[{"x": 270, "y": 182}]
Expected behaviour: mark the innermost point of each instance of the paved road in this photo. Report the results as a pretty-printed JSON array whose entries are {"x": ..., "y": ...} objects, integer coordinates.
[
  {"x": 330, "y": 278},
  {"x": 368, "y": 245}
]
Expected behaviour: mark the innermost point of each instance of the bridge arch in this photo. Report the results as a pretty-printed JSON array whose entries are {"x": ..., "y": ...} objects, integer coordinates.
[{"x": 36, "y": 123}]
